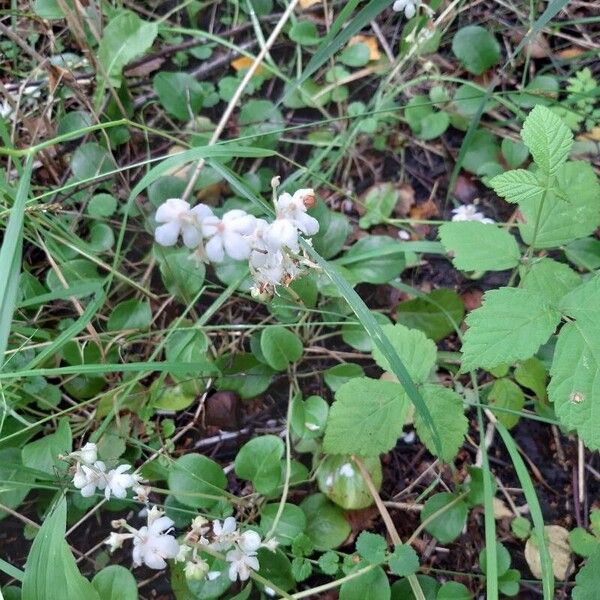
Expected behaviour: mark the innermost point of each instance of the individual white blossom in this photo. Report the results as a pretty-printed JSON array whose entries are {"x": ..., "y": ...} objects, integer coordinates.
[
  {"x": 225, "y": 534},
  {"x": 88, "y": 454},
  {"x": 152, "y": 544},
  {"x": 409, "y": 7},
  {"x": 118, "y": 481},
  {"x": 88, "y": 478},
  {"x": 178, "y": 219},
  {"x": 115, "y": 540},
  {"x": 282, "y": 233},
  {"x": 241, "y": 564},
  {"x": 228, "y": 236},
  {"x": 468, "y": 212},
  {"x": 270, "y": 545},
  {"x": 293, "y": 208},
  {"x": 5, "y": 109}
]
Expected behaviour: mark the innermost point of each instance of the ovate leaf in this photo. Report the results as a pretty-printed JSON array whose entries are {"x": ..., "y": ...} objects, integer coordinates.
[
  {"x": 451, "y": 516},
  {"x": 550, "y": 279},
  {"x": 548, "y": 138},
  {"x": 477, "y": 246},
  {"x": 50, "y": 565},
  {"x": 259, "y": 461},
  {"x": 115, "y": 583},
  {"x": 511, "y": 325},
  {"x": 575, "y": 380},
  {"x": 583, "y": 303},
  {"x": 446, "y": 409},
  {"x": 366, "y": 417},
  {"x": 586, "y": 587},
  {"x": 280, "y": 347},
  {"x": 476, "y": 48},
  {"x": 506, "y": 394},
  {"x": 517, "y": 186}
]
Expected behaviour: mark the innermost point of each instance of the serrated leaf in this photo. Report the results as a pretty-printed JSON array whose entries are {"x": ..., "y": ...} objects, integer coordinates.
[
  {"x": 404, "y": 561},
  {"x": 550, "y": 279},
  {"x": 372, "y": 547},
  {"x": 586, "y": 582},
  {"x": 575, "y": 381},
  {"x": 366, "y": 417},
  {"x": 517, "y": 186},
  {"x": 583, "y": 303},
  {"x": 511, "y": 325},
  {"x": 479, "y": 246},
  {"x": 568, "y": 211},
  {"x": 415, "y": 350},
  {"x": 548, "y": 138},
  {"x": 446, "y": 409}
]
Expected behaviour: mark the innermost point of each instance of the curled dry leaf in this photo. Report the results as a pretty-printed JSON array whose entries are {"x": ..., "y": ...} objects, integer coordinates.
[
  {"x": 560, "y": 553},
  {"x": 245, "y": 62},
  {"x": 370, "y": 42},
  {"x": 308, "y": 3},
  {"x": 425, "y": 210}
]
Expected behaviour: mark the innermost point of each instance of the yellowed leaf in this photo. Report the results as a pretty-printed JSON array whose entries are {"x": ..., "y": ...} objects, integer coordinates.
[
  {"x": 370, "y": 42},
  {"x": 308, "y": 3},
  {"x": 593, "y": 134},
  {"x": 559, "y": 549},
  {"x": 501, "y": 511},
  {"x": 245, "y": 62},
  {"x": 570, "y": 53}
]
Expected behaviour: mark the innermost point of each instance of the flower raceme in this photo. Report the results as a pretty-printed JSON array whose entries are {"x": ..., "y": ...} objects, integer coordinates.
[{"x": 272, "y": 249}]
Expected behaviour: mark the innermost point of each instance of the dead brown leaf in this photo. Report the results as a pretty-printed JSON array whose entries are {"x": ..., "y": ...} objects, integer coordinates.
[
  {"x": 471, "y": 299},
  {"x": 569, "y": 53},
  {"x": 145, "y": 68},
  {"x": 406, "y": 201},
  {"x": 425, "y": 210},
  {"x": 245, "y": 62},
  {"x": 560, "y": 552}
]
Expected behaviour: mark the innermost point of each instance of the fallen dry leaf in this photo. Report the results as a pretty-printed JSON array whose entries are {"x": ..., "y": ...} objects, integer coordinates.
[
  {"x": 559, "y": 549},
  {"x": 425, "y": 210},
  {"x": 593, "y": 134},
  {"x": 406, "y": 200},
  {"x": 370, "y": 42},
  {"x": 501, "y": 511},
  {"x": 570, "y": 53},
  {"x": 182, "y": 170},
  {"x": 245, "y": 62},
  {"x": 308, "y": 3},
  {"x": 472, "y": 299},
  {"x": 145, "y": 68},
  {"x": 223, "y": 410}
]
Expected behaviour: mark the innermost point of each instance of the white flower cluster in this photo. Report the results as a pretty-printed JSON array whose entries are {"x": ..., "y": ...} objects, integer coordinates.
[
  {"x": 272, "y": 249},
  {"x": 153, "y": 544},
  {"x": 409, "y": 7},
  {"x": 468, "y": 212},
  {"x": 90, "y": 474}
]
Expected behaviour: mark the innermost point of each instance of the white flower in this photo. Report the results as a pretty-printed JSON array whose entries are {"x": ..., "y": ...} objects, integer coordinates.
[
  {"x": 115, "y": 540},
  {"x": 89, "y": 477},
  {"x": 141, "y": 492},
  {"x": 183, "y": 553},
  {"x": 152, "y": 544},
  {"x": 199, "y": 525},
  {"x": 346, "y": 470},
  {"x": 408, "y": 6},
  {"x": 225, "y": 534},
  {"x": 282, "y": 233},
  {"x": 249, "y": 542},
  {"x": 196, "y": 569},
  {"x": 212, "y": 575},
  {"x": 468, "y": 212},
  {"x": 269, "y": 591},
  {"x": 229, "y": 235},
  {"x": 179, "y": 219},
  {"x": 5, "y": 109},
  {"x": 118, "y": 481},
  {"x": 88, "y": 455},
  {"x": 241, "y": 564},
  {"x": 270, "y": 545},
  {"x": 294, "y": 208}
]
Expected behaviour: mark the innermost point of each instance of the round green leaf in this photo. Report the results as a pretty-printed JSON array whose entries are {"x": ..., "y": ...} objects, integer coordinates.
[
  {"x": 452, "y": 590},
  {"x": 304, "y": 33},
  {"x": 101, "y": 205},
  {"x": 326, "y": 526},
  {"x": 373, "y": 585},
  {"x": 401, "y": 590},
  {"x": 447, "y": 526},
  {"x": 90, "y": 160},
  {"x": 74, "y": 271},
  {"x": 355, "y": 55},
  {"x": 309, "y": 416},
  {"x": 102, "y": 237},
  {"x": 276, "y": 567},
  {"x": 291, "y": 524},
  {"x": 374, "y": 259},
  {"x": 193, "y": 477},
  {"x": 476, "y": 48},
  {"x": 259, "y": 461},
  {"x": 130, "y": 314},
  {"x": 280, "y": 347},
  {"x": 74, "y": 121},
  {"x": 355, "y": 335},
  {"x": 115, "y": 583},
  {"x": 339, "y": 374}
]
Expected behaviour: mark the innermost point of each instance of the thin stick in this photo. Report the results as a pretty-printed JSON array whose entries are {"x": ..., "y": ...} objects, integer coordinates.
[{"x": 238, "y": 94}]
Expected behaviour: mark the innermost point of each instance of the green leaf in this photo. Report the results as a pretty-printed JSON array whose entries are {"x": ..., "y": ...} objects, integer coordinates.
[
  {"x": 125, "y": 37},
  {"x": 182, "y": 277},
  {"x": 502, "y": 559},
  {"x": 355, "y": 335},
  {"x": 549, "y": 279},
  {"x": 569, "y": 210},
  {"x": 326, "y": 526},
  {"x": 446, "y": 409},
  {"x": 379, "y": 204},
  {"x": 115, "y": 583},
  {"x": 243, "y": 373},
  {"x": 584, "y": 253},
  {"x": 476, "y": 48},
  {"x": 90, "y": 160},
  {"x": 355, "y": 55},
  {"x": 373, "y": 585},
  {"x": 50, "y": 565},
  {"x": 130, "y": 314},
  {"x": 517, "y": 186},
  {"x": 341, "y": 481},
  {"x": 304, "y": 33},
  {"x": 280, "y": 347},
  {"x": 179, "y": 93},
  {"x": 477, "y": 246},
  {"x": 42, "y": 454},
  {"x": 521, "y": 527},
  {"x": 506, "y": 394},
  {"x": 435, "y": 314},
  {"x": 380, "y": 409},
  {"x": 401, "y": 590},
  {"x": 424, "y": 121},
  {"x": 336, "y": 376},
  {"x": 196, "y": 481},
  {"x": 452, "y": 590},
  {"x": 301, "y": 568},
  {"x": 309, "y": 416},
  {"x": 334, "y": 228},
  {"x": 73, "y": 121},
  {"x": 511, "y": 325},
  {"x": 372, "y": 547},
  {"x": 575, "y": 381},
  {"x": 582, "y": 542},
  {"x": 548, "y": 138},
  {"x": 514, "y": 153},
  {"x": 274, "y": 567},
  {"x": 448, "y": 525},
  {"x": 404, "y": 561},
  {"x": 291, "y": 524},
  {"x": 415, "y": 350},
  {"x": 259, "y": 461},
  {"x": 14, "y": 479},
  {"x": 374, "y": 259},
  {"x": 586, "y": 582},
  {"x": 329, "y": 563},
  {"x": 583, "y": 303}
]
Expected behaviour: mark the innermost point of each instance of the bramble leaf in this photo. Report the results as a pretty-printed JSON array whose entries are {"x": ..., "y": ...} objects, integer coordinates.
[
  {"x": 517, "y": 185},
  {"x": 479, "y": 246},
  {"x": 550, "y": 279},
  {"x": 511, "y": 325},
  {"x": 583, "y": 303},
  {"x": 366, "y": 417}
]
